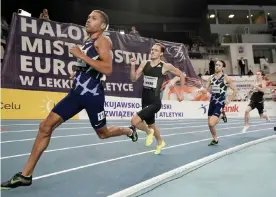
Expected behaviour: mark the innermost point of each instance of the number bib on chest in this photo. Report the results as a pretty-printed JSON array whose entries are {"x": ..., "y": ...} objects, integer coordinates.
[
  {"x": 150, "y": 82},
  {"x": 215, "y": 89}
]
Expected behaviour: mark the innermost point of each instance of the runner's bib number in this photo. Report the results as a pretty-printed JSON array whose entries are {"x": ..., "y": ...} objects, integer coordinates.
[
  {"x": 215, "y": 89},
  {"x": 150, "y": 82}
]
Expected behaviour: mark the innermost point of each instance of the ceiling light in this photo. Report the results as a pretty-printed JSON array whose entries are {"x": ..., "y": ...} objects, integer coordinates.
[
  {"x": 231, "y": 16},
  {"x": 23, "y": 13},
  {"x": 212, "y": 16}
]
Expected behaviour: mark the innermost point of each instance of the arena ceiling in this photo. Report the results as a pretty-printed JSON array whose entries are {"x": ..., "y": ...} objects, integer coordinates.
[
  {"x": 75, "y": 10},
  {"x": 180, "y": 8}
]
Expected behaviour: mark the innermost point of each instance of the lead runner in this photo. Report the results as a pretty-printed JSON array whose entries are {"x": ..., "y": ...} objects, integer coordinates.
[
  {"x": 154, "y": 71},
  {"x": 95, "y": 61}
]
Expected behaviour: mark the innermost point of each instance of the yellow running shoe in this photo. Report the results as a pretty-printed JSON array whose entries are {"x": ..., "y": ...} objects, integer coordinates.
[
  {"x": 159, "y": 148},
  {"x": 149, "y": 138}
]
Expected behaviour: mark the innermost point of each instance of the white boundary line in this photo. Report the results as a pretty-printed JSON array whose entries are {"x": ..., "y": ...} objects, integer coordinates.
[
  {"x": 88, "y": 122},
  {"x": 155, "y": 180},
  {"x": 87, "y": 134},
  {"x": 133, "y": 155},
  {"x": 112, "y": 142},
  {"x": 124, "y": 121},
  {"x": 72, "y": 128}
]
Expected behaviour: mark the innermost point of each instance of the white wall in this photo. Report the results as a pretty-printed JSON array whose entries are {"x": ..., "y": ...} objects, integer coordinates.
[
  {"x": 256, "y": 38},
  {"x": 220, "y": 57},
  {"x": 272, "y": 77},
  {"x": 201, "y": 66},
  {"x": 224, "y": 29},
  {"x": 272, "y": 67},
  {"x": 274, "y": 55},
  {"x": 238, "y": 50},
  {"x": 247, "y": 53}
]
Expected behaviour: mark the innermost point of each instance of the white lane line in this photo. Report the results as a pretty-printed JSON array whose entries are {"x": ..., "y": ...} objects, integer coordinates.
[
  {"x": 69, "y": 128},
  {"x": 76, "y": 128},
  {"x": 136, "y": 154},
  {"x": 127, "y": 121},
  {"x": 87, "y": 122},
  {"x": 112, "y": 142},
  {"x": 150, "y": 183},
  {"x": 80, "y": 135},
  {"x": 53, "y": 137}
]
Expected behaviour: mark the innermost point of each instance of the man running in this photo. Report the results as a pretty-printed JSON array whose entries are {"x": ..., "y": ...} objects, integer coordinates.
[
  {"x": 154, "y": 71},
  {"x": 256, "y": 99},
  {"x": 95, "y": 61},
  {"x": 218, "y": 83}
]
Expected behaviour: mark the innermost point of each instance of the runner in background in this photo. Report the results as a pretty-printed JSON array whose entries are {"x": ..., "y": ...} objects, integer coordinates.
[
  {"x": 154, "y": 71},
  {"x": 218, "y": 83},
  {"x": 256, "y": 99}
]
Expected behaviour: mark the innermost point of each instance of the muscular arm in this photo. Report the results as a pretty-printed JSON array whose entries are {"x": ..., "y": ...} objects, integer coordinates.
[
  {"x": 208, "y": 84},
  {"x": 233, "y": 87},
  {"x": 135, "y": 75},
  {"x": 170, "y": 68},
  {"x": 104, "y": 65},
  {"x": 261, "y": 89}
]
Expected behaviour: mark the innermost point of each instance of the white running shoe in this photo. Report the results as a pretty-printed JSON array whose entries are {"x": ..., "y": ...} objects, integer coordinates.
[{"x": 245, "y": 129}]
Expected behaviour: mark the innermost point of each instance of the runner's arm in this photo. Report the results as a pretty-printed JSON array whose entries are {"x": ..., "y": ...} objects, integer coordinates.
[
  {"x": 233, "y": 87},
  {"x": 104, "y": 46},
  {"x": 175, "y": 71},
  {"x": 135, "y": 75},
  {"x": 208, "y": 84},
  {"x": 72, "y": 75},
  {"x": 261, "y": 89}
]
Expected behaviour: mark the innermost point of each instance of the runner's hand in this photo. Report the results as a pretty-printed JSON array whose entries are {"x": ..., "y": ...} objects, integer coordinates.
[
  {"x": 133, "y": 61},
  {"x": 72, "y": 75}
]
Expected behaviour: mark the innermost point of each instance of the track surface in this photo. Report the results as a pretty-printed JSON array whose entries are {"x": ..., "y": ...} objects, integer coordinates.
[{"x": 77, "y": 163}]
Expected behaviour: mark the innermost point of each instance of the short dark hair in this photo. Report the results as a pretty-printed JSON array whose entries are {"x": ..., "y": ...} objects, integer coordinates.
[
  {"x": 262, "y": 73},
  {"x": 161, "y": 46},
  {"x": 104, "y": 16},
  {"x": 223, "y": 63}
]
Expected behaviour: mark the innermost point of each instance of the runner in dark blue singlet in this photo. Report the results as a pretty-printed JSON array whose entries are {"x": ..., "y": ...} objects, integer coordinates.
[
  {"x": 94, "y": 62},
  {"x": 218, "y": 83}
]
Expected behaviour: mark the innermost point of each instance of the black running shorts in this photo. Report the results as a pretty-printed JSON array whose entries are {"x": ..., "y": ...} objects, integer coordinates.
[
  {"x": 149, "y": 109},
  {"x": 258, "y": 105}
]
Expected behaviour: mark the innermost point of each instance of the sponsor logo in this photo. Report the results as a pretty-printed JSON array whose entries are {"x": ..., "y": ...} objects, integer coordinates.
[
  {"x": 10, "y": 106},
  {"x": 232, "y": 109},
  {"x": 47, "y": 105},
  {"x": 204, "y": 108}
]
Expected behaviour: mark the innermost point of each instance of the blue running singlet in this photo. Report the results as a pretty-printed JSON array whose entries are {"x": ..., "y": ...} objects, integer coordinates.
[
  {"x": 87, "y": 92},
  {"x": 218, "y": 95}
]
